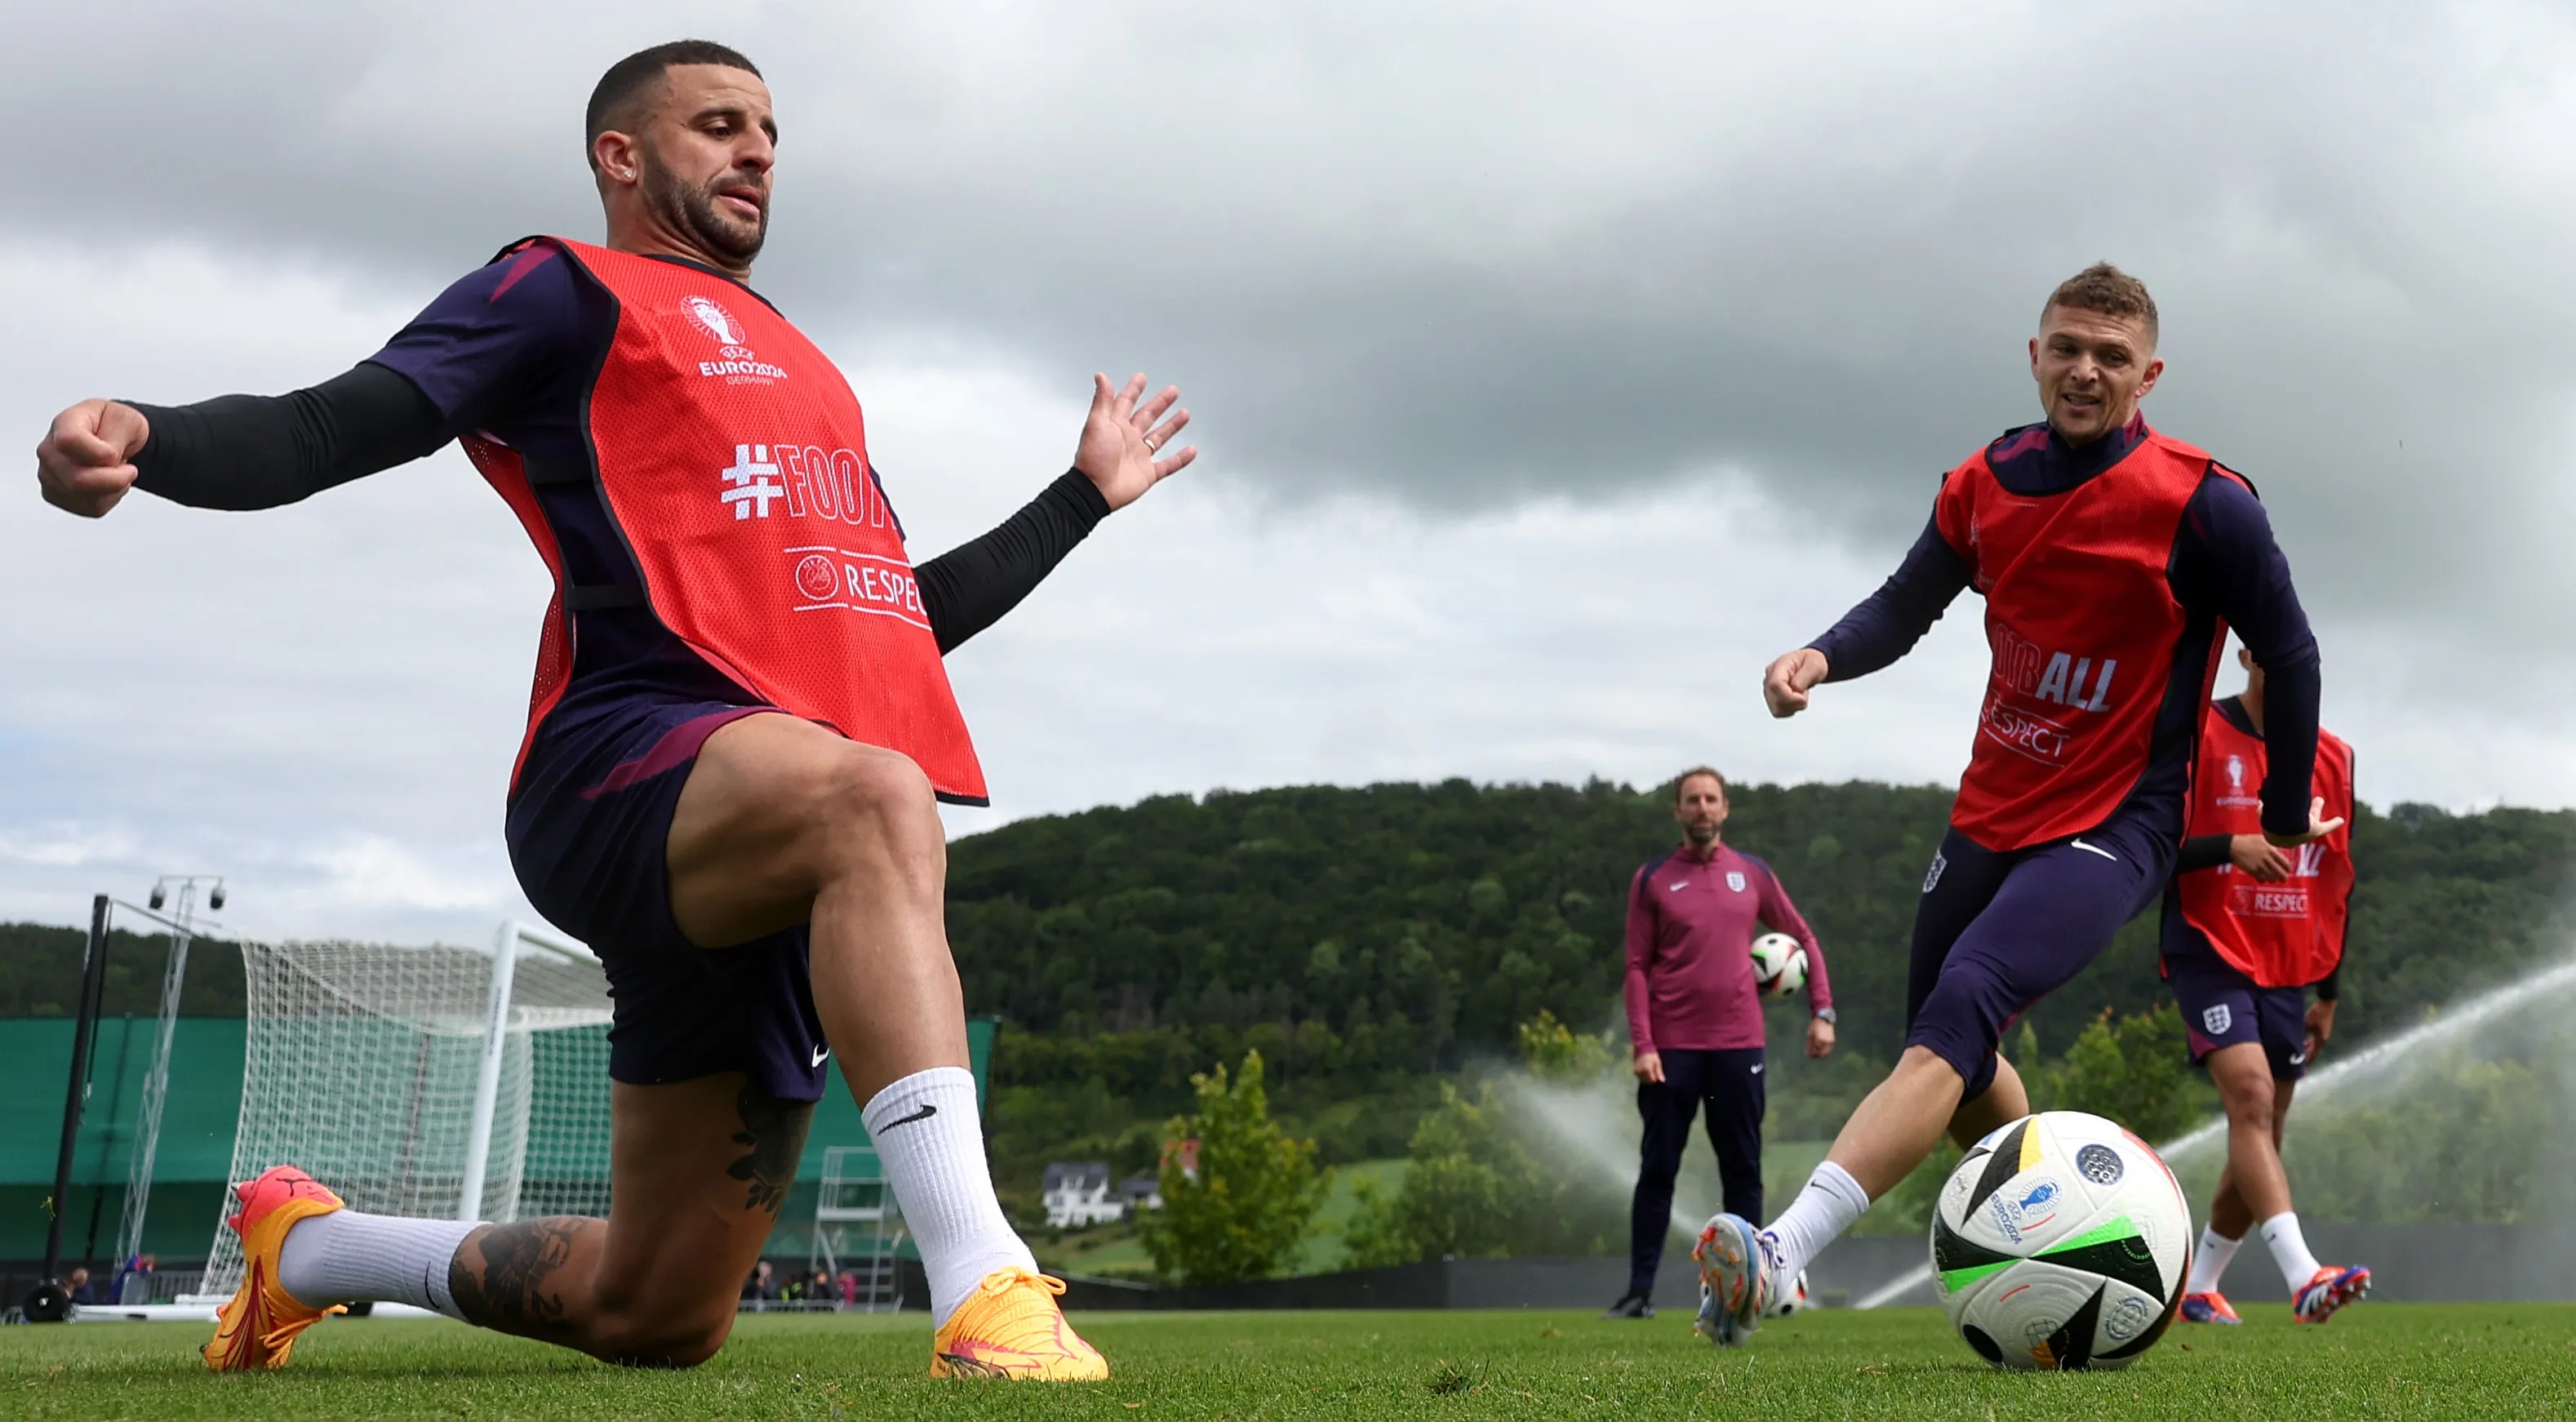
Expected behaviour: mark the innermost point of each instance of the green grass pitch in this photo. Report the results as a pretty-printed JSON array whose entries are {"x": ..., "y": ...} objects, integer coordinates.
[{"x": 2378, "y": 1361}]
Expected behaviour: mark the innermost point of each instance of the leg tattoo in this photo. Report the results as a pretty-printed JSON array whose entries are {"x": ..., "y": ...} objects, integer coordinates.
[
  {"x": 773, "y": 1137},
  {"x": 515, "y": 1290}
]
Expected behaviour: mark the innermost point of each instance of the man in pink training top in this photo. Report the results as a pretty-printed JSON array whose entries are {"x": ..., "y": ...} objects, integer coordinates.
[{"x": 1695, "y": 1016}]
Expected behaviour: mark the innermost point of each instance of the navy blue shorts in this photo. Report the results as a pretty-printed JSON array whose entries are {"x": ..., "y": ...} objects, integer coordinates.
[
  {"x": 589, "y": 828},
  {"x": 1995, "y": 932},
  {"x": 2221, "y": 1007}
]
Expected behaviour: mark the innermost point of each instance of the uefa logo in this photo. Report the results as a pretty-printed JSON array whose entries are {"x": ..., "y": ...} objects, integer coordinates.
[{"x": 816, "y": 577}]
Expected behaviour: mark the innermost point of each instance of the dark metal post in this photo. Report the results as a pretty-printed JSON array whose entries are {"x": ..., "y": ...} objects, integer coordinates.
[{"x": 93, "y": 980}]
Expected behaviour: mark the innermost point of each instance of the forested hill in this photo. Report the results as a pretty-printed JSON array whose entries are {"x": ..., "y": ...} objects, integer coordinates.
[
  {"x": 1416, "y": 924},
  {"x": 1404, "y": 927}
]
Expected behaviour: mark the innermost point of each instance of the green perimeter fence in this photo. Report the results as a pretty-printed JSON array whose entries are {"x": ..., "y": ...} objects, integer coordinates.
[{"x": 199, "y": 1120}]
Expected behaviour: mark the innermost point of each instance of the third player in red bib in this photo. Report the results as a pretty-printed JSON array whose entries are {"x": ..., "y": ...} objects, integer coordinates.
[
  {"x": 2111, "y": 558},
  {"x": 2248, "y": 928}
]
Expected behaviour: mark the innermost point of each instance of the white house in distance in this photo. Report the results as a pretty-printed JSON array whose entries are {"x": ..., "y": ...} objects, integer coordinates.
[
  {"x": 1141, "y": 1192},
  {"x": 1077, "y": 1193}
]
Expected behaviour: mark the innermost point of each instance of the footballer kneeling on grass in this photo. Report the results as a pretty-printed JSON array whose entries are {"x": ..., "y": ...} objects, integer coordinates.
[{"x": 740, "y": 729}]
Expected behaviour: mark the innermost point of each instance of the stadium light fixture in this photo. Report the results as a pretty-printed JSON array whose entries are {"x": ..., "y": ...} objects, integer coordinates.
[{"x": 187, "y": 886}]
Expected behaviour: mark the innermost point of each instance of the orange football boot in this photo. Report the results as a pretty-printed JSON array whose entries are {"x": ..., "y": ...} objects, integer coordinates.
[
  {"x": 257, "y": 1328},
  {"x": 1010, "y": 1327}
]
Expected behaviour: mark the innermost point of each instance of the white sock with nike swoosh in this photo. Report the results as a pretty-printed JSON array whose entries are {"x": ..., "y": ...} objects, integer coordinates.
[
  {"x": 2289, "y": 1245},
  {"x": 1822, "y": 1211},
  {"x": 930, "y": 1140},
  {"x": 349, "y": 1257}
]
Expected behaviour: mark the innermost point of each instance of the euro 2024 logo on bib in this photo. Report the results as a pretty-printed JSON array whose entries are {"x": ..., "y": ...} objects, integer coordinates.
[
  {"x": 735, "y": 361},
  {"x": 2236, "y": 795},
  {"x": 717, "y": 322}
]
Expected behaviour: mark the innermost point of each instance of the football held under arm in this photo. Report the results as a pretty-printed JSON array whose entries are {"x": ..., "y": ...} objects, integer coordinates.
[{"x": 1779, "y": 914}]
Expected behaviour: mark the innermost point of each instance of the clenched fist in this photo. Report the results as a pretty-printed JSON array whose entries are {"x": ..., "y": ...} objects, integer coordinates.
[
  {"x": 86, "y": 462},
  {"x": 1791, "y": 675}
]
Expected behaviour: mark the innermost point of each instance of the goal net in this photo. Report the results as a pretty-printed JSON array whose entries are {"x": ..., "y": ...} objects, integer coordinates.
[{"x": 436, "y": 1083}]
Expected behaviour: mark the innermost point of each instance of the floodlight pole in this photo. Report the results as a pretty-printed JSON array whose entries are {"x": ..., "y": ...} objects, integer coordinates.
[
  {"x": 182, "y": 925},
  {"x": 75, "y": 1096}
]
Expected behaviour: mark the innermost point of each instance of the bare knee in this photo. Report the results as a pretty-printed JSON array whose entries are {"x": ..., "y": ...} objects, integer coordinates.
[
  {"x": 876, "y": 803},
  {"x": 2247, "y": 1100},
  {"x": 1922, "y": 1063}
]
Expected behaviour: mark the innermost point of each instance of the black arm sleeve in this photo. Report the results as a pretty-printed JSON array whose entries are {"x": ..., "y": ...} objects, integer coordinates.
[
  {"x": 2203, "y": 851},
  {"x": 2331, "y": 985},
  {"x": 969, "y": 587},
  {"x": 245, "y": 452}
]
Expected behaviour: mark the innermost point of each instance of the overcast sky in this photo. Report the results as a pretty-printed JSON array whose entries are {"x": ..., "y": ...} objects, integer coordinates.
[{"x": 1554, "y": 367}]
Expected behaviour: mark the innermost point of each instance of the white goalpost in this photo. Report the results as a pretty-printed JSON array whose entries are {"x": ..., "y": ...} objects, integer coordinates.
[{"x": 438, "y": 1083}]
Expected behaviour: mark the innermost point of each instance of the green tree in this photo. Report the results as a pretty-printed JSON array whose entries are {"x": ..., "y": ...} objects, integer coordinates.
[
  {"x": 1471, "y": 1188},
  {"x": 1555, "y": 1052},
  {"x": 1245, "y": 1208},
  {"x": 1467, "y": 1187}
]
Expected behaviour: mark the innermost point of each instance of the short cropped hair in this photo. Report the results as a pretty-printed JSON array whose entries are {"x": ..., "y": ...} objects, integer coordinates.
[
  {"x": 613, "y": 102},
  {"x": 2105, "y": 288},
  {"x": 1697, "y": 770}
]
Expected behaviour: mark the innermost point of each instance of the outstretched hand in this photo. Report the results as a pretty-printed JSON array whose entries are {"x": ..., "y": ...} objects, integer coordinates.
[
  {"x": 1120, "y": 439},
  {"x": 2318, "y": 826},
  {"x": 1790, "y": 677},
  {"x": 86, "y": 462}
]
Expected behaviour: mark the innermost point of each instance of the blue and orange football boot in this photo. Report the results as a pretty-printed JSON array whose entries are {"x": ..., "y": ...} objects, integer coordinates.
[
  {"x": 1736, "y": 1280},
  {"x": 1010, "y": 1327},
  {"x": 257, "y": 1328},
  {"x": 2331, "y": 1289},
  {"x": 2211, "y": 1307}
]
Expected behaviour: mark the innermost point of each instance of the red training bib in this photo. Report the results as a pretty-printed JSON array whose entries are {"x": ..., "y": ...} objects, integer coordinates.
[
  {"x": 2083, "y": 625},
  {"x": 2288, "y": 934},
  {"x": 732, "y": 457}
]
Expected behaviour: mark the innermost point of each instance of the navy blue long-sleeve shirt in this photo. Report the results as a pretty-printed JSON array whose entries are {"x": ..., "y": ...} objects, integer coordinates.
[
  {"x": 2225, "y": 564},
  {"x": 507, "y": 349}
]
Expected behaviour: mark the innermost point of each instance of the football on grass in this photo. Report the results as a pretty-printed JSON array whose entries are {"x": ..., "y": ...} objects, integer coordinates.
[{"x": 2061, "y": 1241}]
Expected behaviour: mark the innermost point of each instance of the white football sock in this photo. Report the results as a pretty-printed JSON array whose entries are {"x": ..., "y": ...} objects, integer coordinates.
[
  {"x": 2290, "y": 1250},
  {"x": 347, "y": 1257},
  {"x": 931, "y": 1142},
  {"x": 1822, "y": 1211},
  {"x": 2209, "y": 1262}
]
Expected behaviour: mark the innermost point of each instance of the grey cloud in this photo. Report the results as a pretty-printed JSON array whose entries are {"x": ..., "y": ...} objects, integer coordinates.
[{"x": 1465, "y": 255}]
